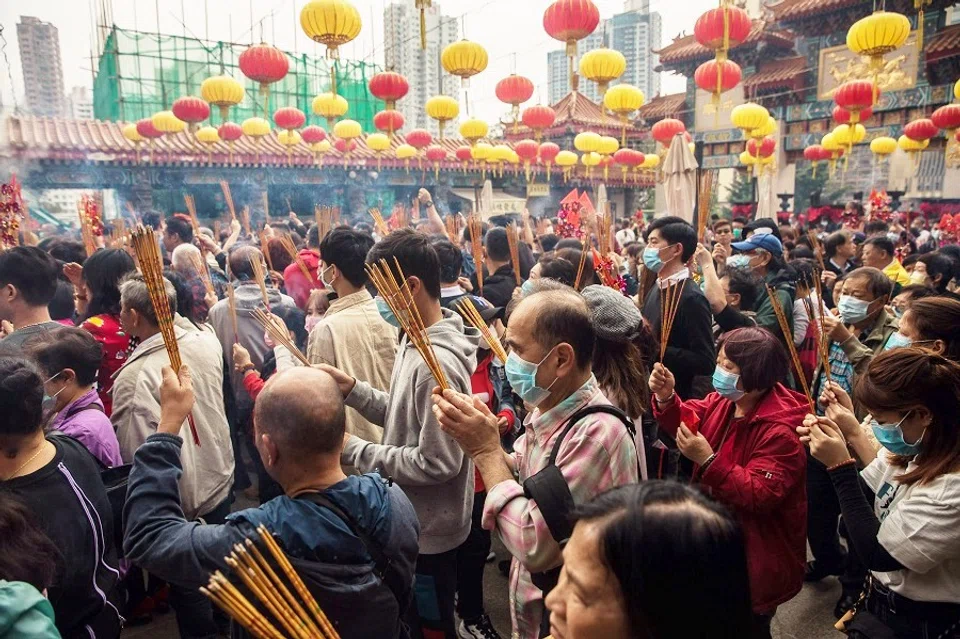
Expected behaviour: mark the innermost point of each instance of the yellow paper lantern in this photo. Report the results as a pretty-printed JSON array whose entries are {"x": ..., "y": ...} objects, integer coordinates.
[
  {"x": 566, "y": 160},
  {"x": 320, "y": 149},
  {"x": 442, "y": 108},
  {"x": 167, "y": 122},
  {"x": 878, "y": 34},
  {"x": 749, "y": 116},
  {"x": 405, "y": 152},
  {"x": 330, "y": 22},
  {"x": 347, "y": 129},
  {"x": 222, "y": 91},
  {"x": 590, "y": 160},
  {"x": 912, "y": 146},
  {"x": 602, "y": 66},
  {"x": 746, "y": 159},
  {"x": 464, "y": 59},
  {"x": 208, "y": 136},
  {"x": 330, "y": 106},
  {"x": 473, "y": 130},
  {"x": 255, "y": 127},
  {"x": 767, "y": 128},
  {"x": 847, "y": 135},
  {"x": 130, "y": 132},
  {"x": 623, "y": 99},
  {"x": 956, "y": 90},
  {"x": 650, "y": 161},
  {"x": 481, "y": 152},
  {"x": 288, "y": 138},
  {"x": 830, "y": 143},
  {"x": 587, "y": 142},
  {"x": 378, "y": 143},
  {"x": 608, "y": 145},
  {"x": 883, "y": 147}
]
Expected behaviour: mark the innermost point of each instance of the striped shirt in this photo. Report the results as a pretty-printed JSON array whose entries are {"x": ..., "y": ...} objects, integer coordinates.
[{"x": 598, "y": 454}]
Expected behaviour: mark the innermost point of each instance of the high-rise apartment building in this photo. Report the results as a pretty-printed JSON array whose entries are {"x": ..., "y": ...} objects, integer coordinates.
[
  {"x": 41, "y": 66},
  {"x": 635, "y": 33},
  {"x": 422, "y": 68},
  {"x": 80, "y": 103}
]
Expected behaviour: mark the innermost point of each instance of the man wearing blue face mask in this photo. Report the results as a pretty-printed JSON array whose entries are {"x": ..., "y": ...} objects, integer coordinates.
[
  {"x": 762, "y": 253},
  {"x": 671, "y": 243}
]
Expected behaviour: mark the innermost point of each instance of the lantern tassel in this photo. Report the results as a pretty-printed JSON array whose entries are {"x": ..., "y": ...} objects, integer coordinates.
[
  {"x": 920, "y": 26},
  {"x": 423, "y": 29}
]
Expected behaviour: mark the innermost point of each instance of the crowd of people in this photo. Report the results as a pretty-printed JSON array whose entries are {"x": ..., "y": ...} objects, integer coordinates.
[{"x": 670, "y": 456}]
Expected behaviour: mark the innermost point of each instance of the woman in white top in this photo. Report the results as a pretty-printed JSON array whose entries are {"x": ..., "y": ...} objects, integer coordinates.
[{"x": 910, "y": 538}]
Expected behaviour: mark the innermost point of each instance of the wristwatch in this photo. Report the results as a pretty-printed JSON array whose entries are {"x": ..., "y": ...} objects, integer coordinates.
[{"x": 247, "y": 368}]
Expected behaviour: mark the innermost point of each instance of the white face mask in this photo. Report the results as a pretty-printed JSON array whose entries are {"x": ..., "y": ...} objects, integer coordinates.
[{"x": 324, "y": 279}]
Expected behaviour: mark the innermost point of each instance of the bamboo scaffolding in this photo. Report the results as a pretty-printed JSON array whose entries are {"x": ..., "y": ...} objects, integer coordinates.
[
  {"x": 393, "y": 288},
  {"x": 669, "y": 305},
  {"x": 279, "y": 333},
  {"x": 261, "y": 276},
  {"x": 472, "y": 315},
  {"x": 192, "y": 210},
  {"x": 228, "y": 198},
  {"x": 475, "y": 226},
  {"x": 151, "y": 267},
  {"x": 378, "y": 222},
  {"x": 287, "y": 242},
  {"x": 514, "y": 241},
  {"x": 788, "y": 338}
]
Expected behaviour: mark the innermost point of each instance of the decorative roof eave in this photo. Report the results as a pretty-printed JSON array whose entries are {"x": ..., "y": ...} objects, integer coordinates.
[
  {"x": 786, "y": 73},
  {"x": 577, "y": 112},
  {"x": 663, "y": 106},
  {"x": 804, "y": 13},
  {"x": 945, "y": 44},
  {"x": 688, "y": 50}
]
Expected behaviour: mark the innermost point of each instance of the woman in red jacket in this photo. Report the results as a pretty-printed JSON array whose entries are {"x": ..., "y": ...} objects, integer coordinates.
[{"x": 742, "y": 440}]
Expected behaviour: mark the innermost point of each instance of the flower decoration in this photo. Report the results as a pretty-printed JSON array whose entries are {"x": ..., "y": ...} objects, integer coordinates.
[
  {"x": 608, "y": 273},
  {"x": 11, "y": 214},
  {"x": 878, "y": 205},
  {"x": 569, "y": 223}
]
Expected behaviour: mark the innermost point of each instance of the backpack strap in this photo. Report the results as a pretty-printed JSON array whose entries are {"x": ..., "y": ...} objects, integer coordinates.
[{"x": 383, "y": 567}]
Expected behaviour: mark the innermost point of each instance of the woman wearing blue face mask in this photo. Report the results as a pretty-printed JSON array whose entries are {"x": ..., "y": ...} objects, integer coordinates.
[
  {"x": 742, "y": 442},
  {"x": 933, "y": 323},
  {"x": 908, "y": 536}
]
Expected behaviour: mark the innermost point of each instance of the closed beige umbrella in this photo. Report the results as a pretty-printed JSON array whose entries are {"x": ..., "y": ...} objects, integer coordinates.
[{"x": 680, "y": 179}]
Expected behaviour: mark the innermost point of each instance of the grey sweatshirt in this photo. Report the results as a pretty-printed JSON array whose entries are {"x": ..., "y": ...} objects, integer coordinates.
[{"x": 426, "y": 462}]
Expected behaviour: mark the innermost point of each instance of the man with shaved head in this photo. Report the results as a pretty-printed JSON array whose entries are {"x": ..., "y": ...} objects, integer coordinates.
[
  {"x": 353, "y": 540},
  {"x": 551, "y": 339}
]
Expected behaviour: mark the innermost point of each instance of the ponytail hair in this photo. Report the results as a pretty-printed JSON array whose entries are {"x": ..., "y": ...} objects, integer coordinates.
[{"x": 905, "y": 379}]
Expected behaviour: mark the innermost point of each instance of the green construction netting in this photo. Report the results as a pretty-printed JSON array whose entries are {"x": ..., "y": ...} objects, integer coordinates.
[{"x": 140, "y": 73}]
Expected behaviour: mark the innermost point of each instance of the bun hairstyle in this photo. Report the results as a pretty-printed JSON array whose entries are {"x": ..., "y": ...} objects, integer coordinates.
[{"x": 905, "y": 379}]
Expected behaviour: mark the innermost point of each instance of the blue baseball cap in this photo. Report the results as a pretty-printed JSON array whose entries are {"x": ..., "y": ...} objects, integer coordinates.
[{"x": 760, "y": 240}]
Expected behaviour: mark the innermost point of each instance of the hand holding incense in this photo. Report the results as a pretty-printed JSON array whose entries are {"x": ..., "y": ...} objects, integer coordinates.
[
  {"x": 472, "y": 315},
  {"x": 279, "y": 333},
  {"x": 287, "y": 242},
  {"x": 378, "y": 222}
]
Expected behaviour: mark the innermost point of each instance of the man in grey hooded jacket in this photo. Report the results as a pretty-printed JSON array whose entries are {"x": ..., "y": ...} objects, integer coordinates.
[{"x": 428, "y": 464}]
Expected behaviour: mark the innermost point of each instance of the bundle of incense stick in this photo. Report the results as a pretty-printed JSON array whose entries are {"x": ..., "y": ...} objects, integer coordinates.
[
  {"x": 232, "y": 304},
  {"x": 323, "y": 216},
  {"x": 454, "y": 224},
  {"x": 288, "y": 601},
  {"x": 228, "y": 198},
  {"x": 378, "y": 222},
  {"x": 261, "y": 276},
  {"x": 202, "y": 271},
  {"x": 151, "y": 267},
  {"x": 192, "y": 210},
  {"x": 392, "y": 286},
  {"x": 475, "y": 226},
  {"x": 669, "y": 305},
  {"x": 86, "y": 225},
  {"x": 788, "y": 338},
  {"x": 472, "y": 315},
  {"x": 335, "y": 215},
  {"x": 118, "y": 234},
  {"x": 583, "y": 262},
  {"x": 817, "y": 248},
  {"x": 266, "y": 207},
  {"x": 245, "y": 220},
  {"x": 605, "y": 230},
  {"x": 265, "y": 248},
  {"x": 823, "y": 340},
  {"x": 287, "y": 242},
  {"x": 401, "y": 217},
  {"x": 278, "y": 333},
  {"x": 514, "y": 241},
  {"x": 703, "y": 203}
]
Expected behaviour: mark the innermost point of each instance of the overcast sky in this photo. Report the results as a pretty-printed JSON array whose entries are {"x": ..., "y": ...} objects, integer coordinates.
[{"x": 511, "y": 31}]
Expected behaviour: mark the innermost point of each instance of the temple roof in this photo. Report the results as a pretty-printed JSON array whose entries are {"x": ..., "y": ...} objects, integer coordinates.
[
  {"x": 686, "y": 48},
  {"x": 944, "y": 44},
  {"x": 663, "y": 106},
  {"x": 797, "y": 9},
  {"x": 577, "y": 111},
  {"x": 777, "y": 74}
]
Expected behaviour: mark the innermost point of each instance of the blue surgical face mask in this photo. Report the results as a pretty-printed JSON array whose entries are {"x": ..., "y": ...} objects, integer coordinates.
[
  {"x": 651, "y": 258},
  {"x": 522, "y": 376},
  {"x": 852, "y": 310},
  {"x": 725, "y": 383},
  {"x": 387, "y": 313},
  {"x": 527, "y": 287},
  {"x": 890, "y": 437},
  {"x": 738, "y": 261},
  {"x": 897, "y": 340},
  {"x": 48, "y": 405},
  {"x": 897, "y": 312}
]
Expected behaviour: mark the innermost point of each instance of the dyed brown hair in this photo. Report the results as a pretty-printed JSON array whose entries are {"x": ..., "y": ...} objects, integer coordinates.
[
  {"x": 938, "y": 318},
  {"x": 905, "y": 379},
  {"x": 758, "y": 354}
]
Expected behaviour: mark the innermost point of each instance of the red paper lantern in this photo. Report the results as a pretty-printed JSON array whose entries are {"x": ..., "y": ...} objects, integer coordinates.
[
  {"x": 718, "y": 77},
  {"x": 842, "y": 116},
  {"x": 436, "y": 153},
  {"x": 419, "y": 138},
  {"x": 571, "y": 20},
  {"x": 264, "y": 64},
  {"x": 146, "y": 129},
  {"x": 388, "y": 120},
  {"x": 920, "y": 130},
  {"x": 389, "y": 86},
  {"x": 230, "y": 132},
  {"x": 664, "y": 130},
  {"x": 313, "y": 134},
  {"x": 763, "y": 149},
  {"x": 289, "y": 118},
  {"x": 548, "y": 152},
  {"x": 946, "y": 117},
  {"x": 628, "y": 157},
  {"x": 345, "y": 146},
  {"x": 190, "y": 109},
  {"x": 464, "y": 153},
  {"x": 538, "y": 118},
  {"x": 710, "y": 28},
  {"x": 855, "y": 96},
  {"x": 814, "y": 153},
  {"x": 527, "y": 150},
  {"x": 514, "y": 89}
]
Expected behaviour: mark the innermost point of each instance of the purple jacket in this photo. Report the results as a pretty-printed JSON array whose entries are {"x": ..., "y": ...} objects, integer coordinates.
[{"x": 84, "y": 420}]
